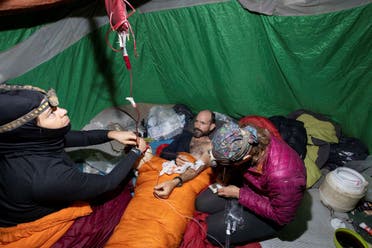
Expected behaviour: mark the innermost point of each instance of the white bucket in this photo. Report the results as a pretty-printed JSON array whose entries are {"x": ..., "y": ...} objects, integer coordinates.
[{"x": 342, "y": 189}]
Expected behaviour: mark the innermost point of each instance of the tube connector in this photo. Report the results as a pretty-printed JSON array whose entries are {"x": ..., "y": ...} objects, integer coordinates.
[
  {"x": 131, "y": 100},
  {"x": 228, "y": 228}
]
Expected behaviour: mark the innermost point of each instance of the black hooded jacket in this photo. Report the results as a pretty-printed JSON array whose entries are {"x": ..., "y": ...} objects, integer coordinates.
[{"x": 37, "y": 177}]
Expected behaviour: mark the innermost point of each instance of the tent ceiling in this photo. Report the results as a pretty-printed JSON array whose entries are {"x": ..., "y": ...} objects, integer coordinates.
[
  {"x": 15, "y": 6},
  {"x": 269, "y": 7},
  {"x": 10, "y": 7},
  {"x": 26, "y": 13}
]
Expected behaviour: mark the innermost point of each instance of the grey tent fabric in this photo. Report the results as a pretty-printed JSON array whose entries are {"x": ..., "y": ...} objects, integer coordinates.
[
  {"x": 299, "y": 7},
  {"x": 49, "y": 41},
  {"x": 156, "y": 5}
]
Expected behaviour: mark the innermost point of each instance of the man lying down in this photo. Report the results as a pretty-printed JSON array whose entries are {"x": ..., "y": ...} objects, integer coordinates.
[{"x": 153, "y": 221}]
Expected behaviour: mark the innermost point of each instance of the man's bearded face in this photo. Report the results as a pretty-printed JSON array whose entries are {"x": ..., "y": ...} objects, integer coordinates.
[
  {"x": 203, "y": 124},
  {"x": 199, "y": 133}
]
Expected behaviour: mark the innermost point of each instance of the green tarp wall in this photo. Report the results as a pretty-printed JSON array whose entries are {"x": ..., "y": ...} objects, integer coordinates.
[{"x": 222, "y": 57}]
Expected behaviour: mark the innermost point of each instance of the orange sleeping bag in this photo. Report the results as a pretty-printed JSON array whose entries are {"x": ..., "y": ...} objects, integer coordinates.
[
  {"x": 43, "y": 232},
  {"x": 152, "y": 222}
]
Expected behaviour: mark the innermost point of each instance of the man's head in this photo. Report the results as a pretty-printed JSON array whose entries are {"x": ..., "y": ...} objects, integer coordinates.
[
  {"x": 22, "y": 104},
  {"x": 29, "y": 114},
  {"x": 232, "y": 144},
  {"x": 204, "y": 123}
]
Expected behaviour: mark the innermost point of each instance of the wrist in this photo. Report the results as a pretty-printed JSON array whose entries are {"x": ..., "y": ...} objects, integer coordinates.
[
  {"x": 136, "y": 151},
  {"x": 178, "y": 180},
  {"x": 238, "y": 193},
  {"x": 110, "y": 135}
]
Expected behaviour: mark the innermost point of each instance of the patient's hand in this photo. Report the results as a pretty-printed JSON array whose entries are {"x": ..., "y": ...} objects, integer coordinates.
[{"x": 164, "y": 189}]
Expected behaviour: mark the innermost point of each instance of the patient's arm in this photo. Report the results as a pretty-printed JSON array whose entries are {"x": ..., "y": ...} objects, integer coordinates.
[
  {"x": 201, "y": 152},
  {"x": 189, "y": 174},
  {"x": 145, "y": 158},
  {"x": 164, "y": 189}
]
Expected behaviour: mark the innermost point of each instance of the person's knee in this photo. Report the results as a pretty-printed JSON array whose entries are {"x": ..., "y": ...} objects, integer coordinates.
[
  {"x": 209, "y": 203},
  {"x": 215, "y": 230}
]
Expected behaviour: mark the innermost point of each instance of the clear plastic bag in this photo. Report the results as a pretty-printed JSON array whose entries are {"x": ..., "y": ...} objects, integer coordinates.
[
  {"x": 233, "y": 216},
  {"x": 164, "y": 123}
]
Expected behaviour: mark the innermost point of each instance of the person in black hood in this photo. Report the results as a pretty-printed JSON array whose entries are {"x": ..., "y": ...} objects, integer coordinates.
[{"x": 37, "y": 177}]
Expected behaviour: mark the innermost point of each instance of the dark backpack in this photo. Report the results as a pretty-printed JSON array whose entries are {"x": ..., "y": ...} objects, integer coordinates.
[{"x": 347, "y": 149}]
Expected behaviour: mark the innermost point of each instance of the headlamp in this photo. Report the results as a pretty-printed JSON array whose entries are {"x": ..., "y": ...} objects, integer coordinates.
[{"x": 50, "y": 101}]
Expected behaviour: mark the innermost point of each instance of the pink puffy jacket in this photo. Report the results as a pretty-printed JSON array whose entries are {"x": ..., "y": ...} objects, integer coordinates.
[{"x": 275, "y": 191}]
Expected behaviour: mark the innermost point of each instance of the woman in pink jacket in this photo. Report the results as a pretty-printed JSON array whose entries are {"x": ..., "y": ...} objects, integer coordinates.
[{"x": 257, "y": 205}]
